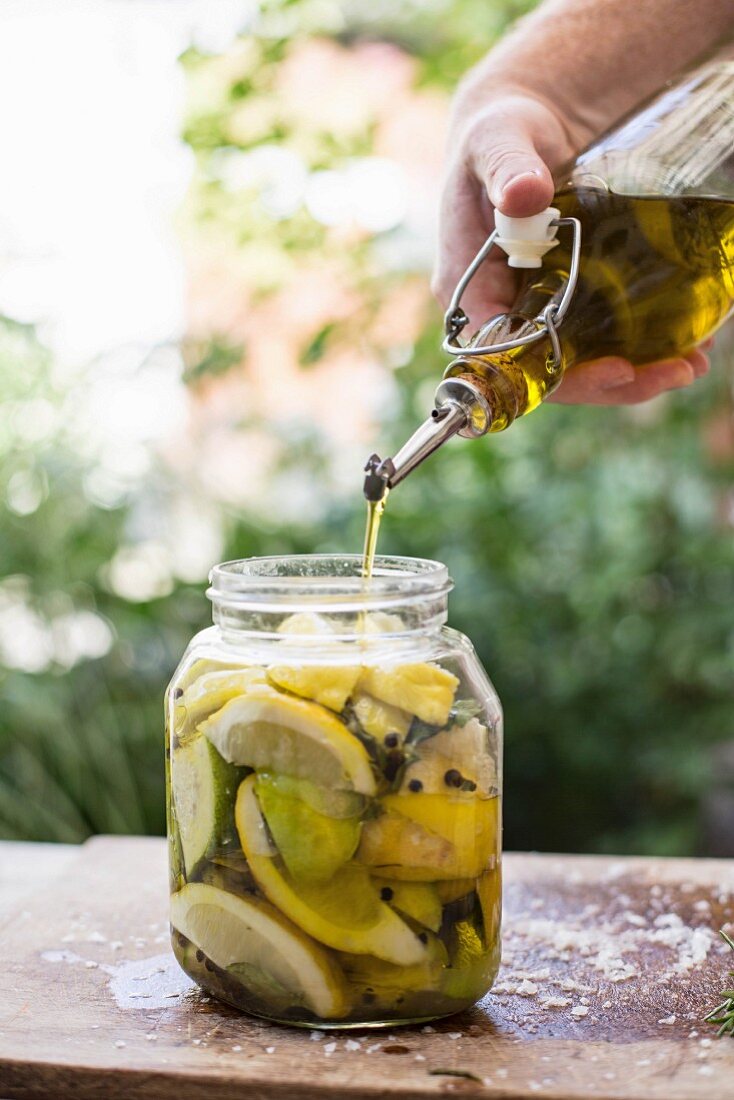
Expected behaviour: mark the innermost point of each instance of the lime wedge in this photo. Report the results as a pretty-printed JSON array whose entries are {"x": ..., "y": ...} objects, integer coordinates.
[
  {"x": 346, "y": 912},
  {"x": 203, "y": 787}
]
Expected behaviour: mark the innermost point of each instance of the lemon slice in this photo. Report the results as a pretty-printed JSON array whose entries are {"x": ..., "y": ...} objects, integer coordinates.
[
  {"x": 346, "y": 912},
  {"x": 423, "y": 689},
  {"x": 272, "y": 732},
  {"x": 211, "y": 690},
  {"x": 330, "y": 685},
  {"x": 233, "y": 930}
]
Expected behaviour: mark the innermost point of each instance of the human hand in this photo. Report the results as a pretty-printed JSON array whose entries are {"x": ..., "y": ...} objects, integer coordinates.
[{"x": 503, "y": 156}]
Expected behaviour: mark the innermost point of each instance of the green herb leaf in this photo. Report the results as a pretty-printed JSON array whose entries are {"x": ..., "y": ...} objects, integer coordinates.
[
  {"x": 723, "y": 1014},
  {"x": 421, "y": 731},
  {"x": 464, "y": 710}
]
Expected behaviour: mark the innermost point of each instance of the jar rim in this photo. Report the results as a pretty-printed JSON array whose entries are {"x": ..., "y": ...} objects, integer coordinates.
[{"x": 279, "y": 582}]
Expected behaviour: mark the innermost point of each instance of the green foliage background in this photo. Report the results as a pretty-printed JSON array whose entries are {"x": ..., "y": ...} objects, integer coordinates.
[{"x": 591, "y": 549}]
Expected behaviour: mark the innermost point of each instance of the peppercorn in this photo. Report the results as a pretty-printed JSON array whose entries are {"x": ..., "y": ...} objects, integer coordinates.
[
  {"x": 199, "y": 955},
  {"x": 386, "y": 893},
  {"x": 392, "y": 740},
  {"x": 178, "y": 692},
  {"x": 415, "y": 785},
  {"x": 453, "y": 778}
]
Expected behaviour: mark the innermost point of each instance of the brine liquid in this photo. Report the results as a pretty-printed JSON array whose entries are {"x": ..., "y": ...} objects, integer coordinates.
[{"x": 656, "y": 278}]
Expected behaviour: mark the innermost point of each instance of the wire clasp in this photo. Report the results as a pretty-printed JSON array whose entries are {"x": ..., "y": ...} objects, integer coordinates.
[{"x": 546, "y": 324}]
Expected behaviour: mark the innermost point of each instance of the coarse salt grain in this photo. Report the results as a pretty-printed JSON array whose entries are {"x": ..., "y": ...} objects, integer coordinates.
[
  {"x": 527, "y": 989},
  {"x": 120, "y": 1043},
  {"x": 555, "y": 1002},
  {"x": 456, "y": 1034},
  {"x": 668, "y": 1020},
  {"x": 329, "y": 1048},
  {"x": 352, "y": 1044},
  {"x": 270, "y": 1050},
  {"x": 316, "y": 1036},
  {"x": 237, "y": 1049},
  {"x": 579, "y": 1011}
]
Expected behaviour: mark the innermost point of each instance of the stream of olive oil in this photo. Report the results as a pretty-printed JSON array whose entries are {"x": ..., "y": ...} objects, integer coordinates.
[{"x": 375, "y": 508}]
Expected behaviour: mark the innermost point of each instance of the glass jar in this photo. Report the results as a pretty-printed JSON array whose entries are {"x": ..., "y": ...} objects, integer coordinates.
[{"x": 334, "y": 756}]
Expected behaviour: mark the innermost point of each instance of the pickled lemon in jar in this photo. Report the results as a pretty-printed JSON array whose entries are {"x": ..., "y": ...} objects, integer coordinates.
[{"x": 333, "y": 772}]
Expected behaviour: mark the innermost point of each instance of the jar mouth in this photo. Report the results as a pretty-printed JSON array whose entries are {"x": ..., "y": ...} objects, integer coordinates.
[{"x": 333, "y": 582}]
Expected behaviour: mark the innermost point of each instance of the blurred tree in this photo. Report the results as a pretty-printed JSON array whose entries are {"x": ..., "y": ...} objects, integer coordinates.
[{"x": 591, "y": 549}]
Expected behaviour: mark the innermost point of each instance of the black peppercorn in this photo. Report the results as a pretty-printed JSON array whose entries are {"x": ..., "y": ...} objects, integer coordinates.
[
  {"x": 178, "y": 692},
  {"x": 199, "y": 955},
  {"x": 415, "y": 785},
  {"x": 392, "y": 740},
  {"x": 453, "y": 778},
  {"x": 386, "y": 893}
]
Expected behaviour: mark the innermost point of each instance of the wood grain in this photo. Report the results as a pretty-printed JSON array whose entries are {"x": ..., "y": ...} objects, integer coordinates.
[{"x": 92, "y": 1004}]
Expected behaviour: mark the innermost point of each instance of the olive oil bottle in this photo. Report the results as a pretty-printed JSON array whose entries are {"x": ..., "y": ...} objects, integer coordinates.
[
  {"x": 635, "y": 259},
  {"x": 656, "y": 278}
]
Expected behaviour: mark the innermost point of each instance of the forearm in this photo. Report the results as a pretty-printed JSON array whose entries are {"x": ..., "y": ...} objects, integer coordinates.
[{"x": 590, "y": 61}]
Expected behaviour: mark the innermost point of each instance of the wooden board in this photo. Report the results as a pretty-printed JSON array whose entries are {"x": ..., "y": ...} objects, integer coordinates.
[{"x": 610, "y": 966}]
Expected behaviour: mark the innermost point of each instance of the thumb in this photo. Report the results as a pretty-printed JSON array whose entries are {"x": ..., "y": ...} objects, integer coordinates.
[{"x": 518, "y": 181}]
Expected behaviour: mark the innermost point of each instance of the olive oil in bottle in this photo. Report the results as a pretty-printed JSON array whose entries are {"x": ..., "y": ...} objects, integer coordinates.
[
  {"x": 656, "y": 278},
  {"x": 635, "y": 259}
]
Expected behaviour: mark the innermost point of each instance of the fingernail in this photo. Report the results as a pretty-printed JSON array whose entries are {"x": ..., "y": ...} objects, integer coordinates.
[{"x": 500, "y": 189}]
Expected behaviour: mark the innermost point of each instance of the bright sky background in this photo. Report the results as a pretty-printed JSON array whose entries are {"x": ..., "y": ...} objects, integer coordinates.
[{"x": 93, "y": 168}]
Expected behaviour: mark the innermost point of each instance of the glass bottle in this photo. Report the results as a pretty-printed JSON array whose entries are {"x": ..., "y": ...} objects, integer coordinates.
[
  {"x": 334, "y": 761},
  {"x": 650, "y": 209}
]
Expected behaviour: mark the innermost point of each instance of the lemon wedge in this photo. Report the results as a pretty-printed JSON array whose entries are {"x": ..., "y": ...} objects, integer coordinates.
[
  {"x": 463, "y": 748},
  {"x": 417, "y": 900},
  {"x": 469, "y": 824},
  {"x": 232, "y": 931},
  {"x": 425, "y": 690},
  {"x": 395, "y": 847},
  {"x": 330, "y": 685},
  {"x": 210, "y": 691},
  {"x": 379, "y": 719},
  {"x": 279, "y": 733},
  {"x": 346, "y": 912}
]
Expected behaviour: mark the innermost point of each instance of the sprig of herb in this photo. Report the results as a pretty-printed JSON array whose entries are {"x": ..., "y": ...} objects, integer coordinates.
[{"x": 723, "y": 1014}]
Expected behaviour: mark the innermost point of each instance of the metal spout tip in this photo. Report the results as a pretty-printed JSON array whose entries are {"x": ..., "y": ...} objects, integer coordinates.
[{"x": 377, "y": 481}]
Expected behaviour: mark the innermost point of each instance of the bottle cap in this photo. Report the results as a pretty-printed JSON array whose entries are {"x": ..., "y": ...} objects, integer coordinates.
[{"x": 526, "y": 240}]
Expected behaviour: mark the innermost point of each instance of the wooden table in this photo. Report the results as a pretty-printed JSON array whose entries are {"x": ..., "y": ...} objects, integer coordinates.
[{"x": 609, "y": 967}]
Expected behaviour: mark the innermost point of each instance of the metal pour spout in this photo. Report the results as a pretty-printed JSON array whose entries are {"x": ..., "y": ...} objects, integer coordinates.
[{"x": 460, "y": 410}]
